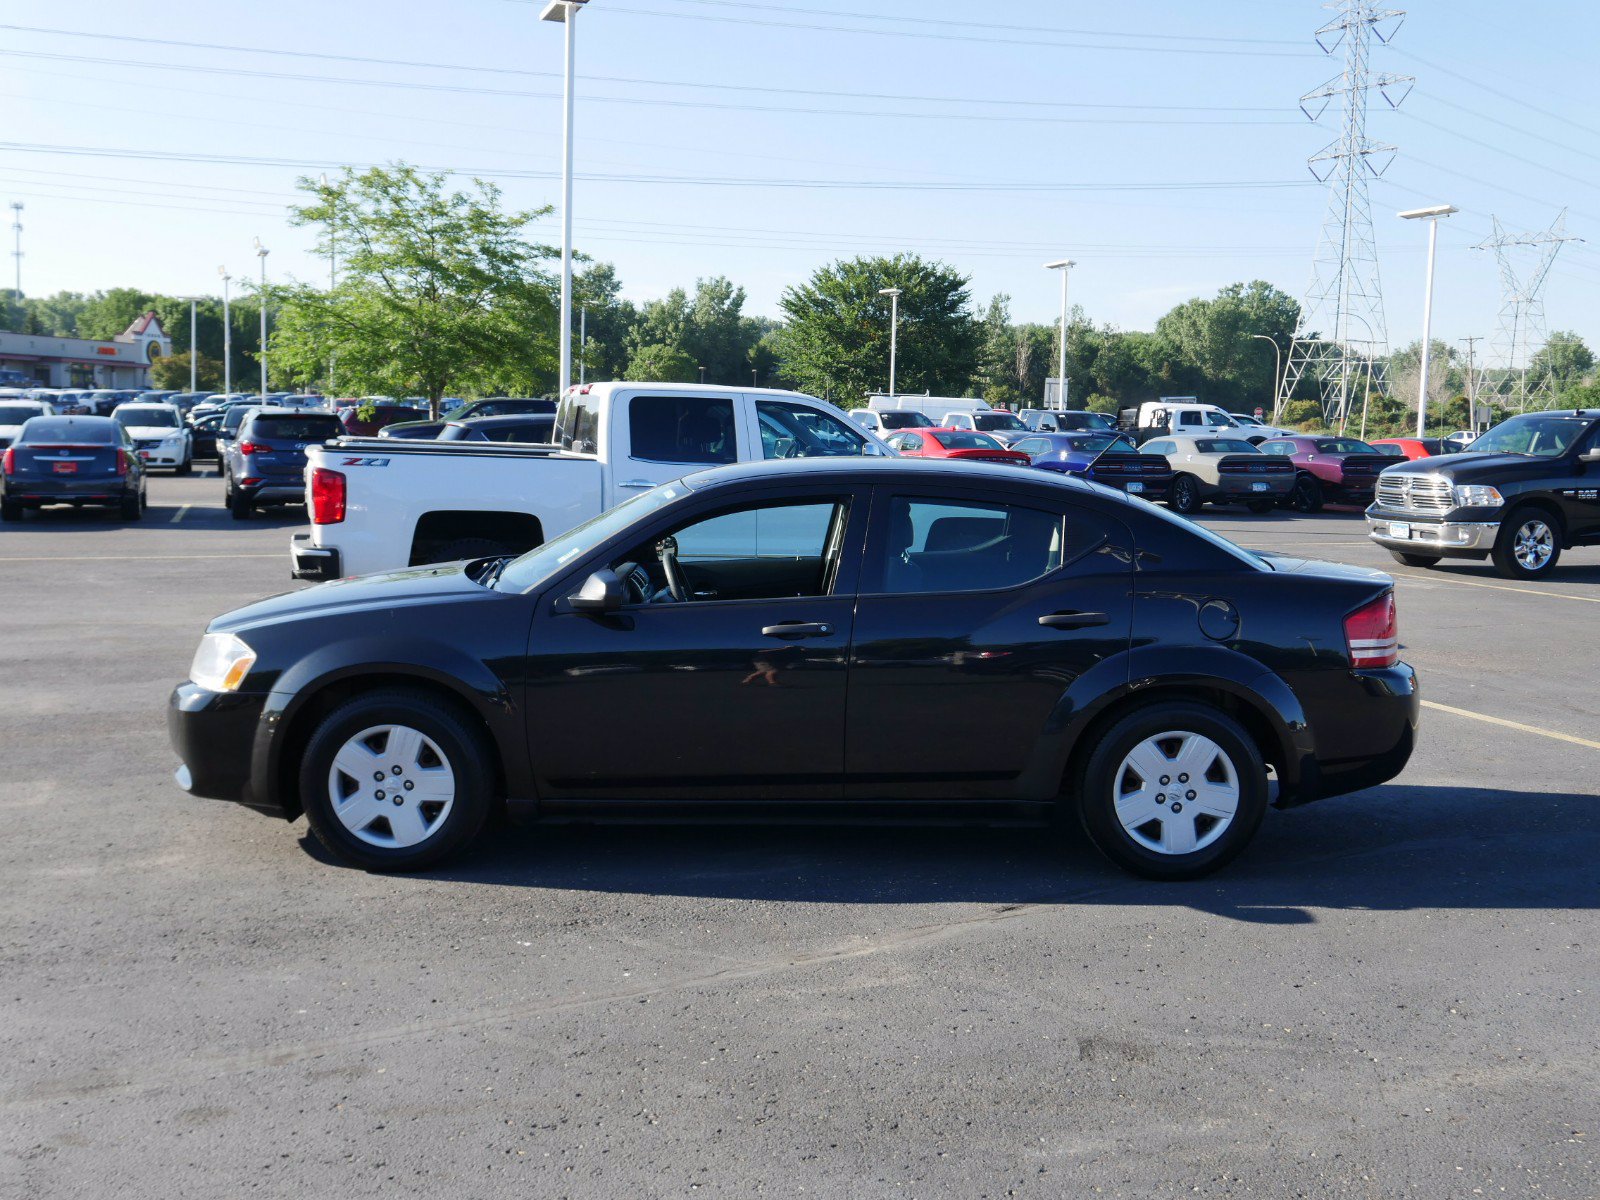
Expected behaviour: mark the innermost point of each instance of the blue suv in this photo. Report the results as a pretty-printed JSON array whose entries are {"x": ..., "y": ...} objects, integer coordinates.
[{"x": 265, "y": 461}]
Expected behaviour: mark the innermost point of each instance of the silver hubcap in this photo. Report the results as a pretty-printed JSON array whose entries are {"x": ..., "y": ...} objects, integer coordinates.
[
  {"x": 391, "y": 786},
  {"x": 1533, "y": 546},
  {"x": 1176, "y": 792}
]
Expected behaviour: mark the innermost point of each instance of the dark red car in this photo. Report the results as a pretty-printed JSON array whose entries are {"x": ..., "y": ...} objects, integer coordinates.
[
  {"x": 954, "y": 443},
  {"x": 1332, "y": 470}
]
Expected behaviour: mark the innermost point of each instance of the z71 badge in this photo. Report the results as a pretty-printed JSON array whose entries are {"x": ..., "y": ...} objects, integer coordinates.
[{"x": 364, "y": 462}]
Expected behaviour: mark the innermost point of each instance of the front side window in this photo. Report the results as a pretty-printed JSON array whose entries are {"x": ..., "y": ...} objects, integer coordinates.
[
  {"x": 958, "y": 546},
  {"x": 683, "y": 429},
  {"x": 795, "y": 431},
  {"x": 578, "y": 423}
]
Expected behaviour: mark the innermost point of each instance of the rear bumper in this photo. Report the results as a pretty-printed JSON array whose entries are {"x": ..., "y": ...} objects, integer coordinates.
[
  {"x": 1243, "y": 487},
  {"x": 75, "y": 491},
  {"x": 318, "y": 563},
  {"x": 282, "y": 490},
  {"x": 1423, "y": 535},
  {"x": 1366, "y": 728},
  {"x": 214, "y": 734}
]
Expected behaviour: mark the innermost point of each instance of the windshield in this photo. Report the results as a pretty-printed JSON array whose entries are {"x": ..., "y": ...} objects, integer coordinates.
[
  {"x": 905, "y": 420},
  {"x": 16, "y": 414},
  {"x": 998, "y": 421},
  {"x": 1541, "y": 436},
  {"x": 960, "y": 439},
  {"x": 537, "y": 565},
  {"x": 145, "y": 417}
]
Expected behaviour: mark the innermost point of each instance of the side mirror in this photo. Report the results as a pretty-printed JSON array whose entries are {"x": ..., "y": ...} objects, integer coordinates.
[
  {"x": 602, "y": 592},
  {"x": 1591, "y": 456}
]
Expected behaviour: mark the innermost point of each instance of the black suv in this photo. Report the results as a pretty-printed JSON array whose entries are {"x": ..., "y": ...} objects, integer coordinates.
[{"x": 1521, "y": 493}]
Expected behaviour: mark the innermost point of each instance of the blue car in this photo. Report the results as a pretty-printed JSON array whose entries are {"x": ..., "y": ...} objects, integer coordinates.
[{"x": 1112, "y": 460}]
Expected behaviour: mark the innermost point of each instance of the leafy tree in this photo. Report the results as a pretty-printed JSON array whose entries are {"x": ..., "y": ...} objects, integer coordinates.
[
  {"x": 107, "y": 314},
  {"x": 997, "y": 380},
  {"x": 1564, "y": 359},
  {"x": 1212, "y": 344},
  {"x": 173, "y": 372},
  {"x": 836, "y": 339},
  {"x": 662, "y": 364},
  {"x": 598, "y": 291},
  {"x": 438, "y": 290}
]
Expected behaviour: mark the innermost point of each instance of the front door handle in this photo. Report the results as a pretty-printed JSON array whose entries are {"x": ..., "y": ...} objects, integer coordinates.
[
  {"x": 636, "y": 483},
  {"x": 1073, "y": 620},
  {"x": 797, "y": 629}
]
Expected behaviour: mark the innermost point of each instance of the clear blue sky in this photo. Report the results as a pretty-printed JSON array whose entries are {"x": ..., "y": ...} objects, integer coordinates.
[{"x": 988, "y": 146}]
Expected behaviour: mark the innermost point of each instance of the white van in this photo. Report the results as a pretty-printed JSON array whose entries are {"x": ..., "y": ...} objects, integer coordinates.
[{"x": 934, "y": 406}]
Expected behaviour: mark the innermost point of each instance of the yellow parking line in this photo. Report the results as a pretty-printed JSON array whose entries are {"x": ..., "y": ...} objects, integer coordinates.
[
  {"x": 1497, "y": 587},
  {"x": 1549, "y": 733},
  {"x": 130, "y": 557}
]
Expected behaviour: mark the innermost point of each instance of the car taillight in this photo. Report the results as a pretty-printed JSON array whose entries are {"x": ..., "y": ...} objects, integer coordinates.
[
  {"x": 253, "y": 448},
  {"x": 1372, "y": 635},
  {"x": 8, "y": 461},
  {"x": 122, "y": 461},
  {"x": 327, "y": 497}
]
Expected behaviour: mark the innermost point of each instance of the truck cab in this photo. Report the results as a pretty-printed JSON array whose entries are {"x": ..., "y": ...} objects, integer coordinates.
[{"x": 1527, "y": 490}]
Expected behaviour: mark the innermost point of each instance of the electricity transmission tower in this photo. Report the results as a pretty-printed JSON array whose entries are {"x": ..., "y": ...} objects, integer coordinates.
[
  {"x": 1522, "y": 330},
  {"x": 16, "y": 229},
  {"x": 1342, "y": 341}
]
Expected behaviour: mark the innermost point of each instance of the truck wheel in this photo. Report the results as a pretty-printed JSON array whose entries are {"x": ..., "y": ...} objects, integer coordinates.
[
  {"x": 1414, "y": 560},
  {"x": 396, "y": 780},
  {"x": 1529, "y": 545},
  {"x": 463, "y": 548},
  {"x": 1173, "y": 791},
  {"x": 1305, "y": 496},
  {"x": 1184, "y": 496}
]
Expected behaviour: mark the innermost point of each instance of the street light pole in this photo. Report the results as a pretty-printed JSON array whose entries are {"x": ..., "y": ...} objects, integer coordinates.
[
  {"x": 583, "y": 343},
  {"x": 333, "y": 274},
  {"x": 193, "y": 349},
  {"x": 227, "y": 335},
  {"x": 261, "y": 253},
  {"x": 1064, "y": 265},
  {"x": 894, "y": 295},
  {"x": 565, "y": 11},
  {"x": 1431, "y": 215},
  {"x": 1277, "y": 366}
]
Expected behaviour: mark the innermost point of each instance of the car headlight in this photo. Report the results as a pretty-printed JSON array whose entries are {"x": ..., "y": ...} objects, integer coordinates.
[
  {"x": 1478, "y": 495},
  {"x": 221, "y": 662}
]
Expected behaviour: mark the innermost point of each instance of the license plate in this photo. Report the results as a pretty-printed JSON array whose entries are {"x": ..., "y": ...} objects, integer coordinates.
[
  {"x": 1400, "y": 529},
  {"x": 65, "y": 468},
  {"x": 1135, "y": 487},
  {"x": 1258, "y": 487}
]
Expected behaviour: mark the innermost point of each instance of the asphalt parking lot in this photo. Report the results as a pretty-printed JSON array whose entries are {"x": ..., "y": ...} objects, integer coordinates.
[{"x": 1391, "y": 994}]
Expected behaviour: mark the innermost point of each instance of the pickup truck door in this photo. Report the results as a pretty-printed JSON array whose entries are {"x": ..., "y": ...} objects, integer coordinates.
[
  {"x": 658, "y": 438},
  {"x": 1578, "y": 491},
  {"x": 736, "y": 693}
]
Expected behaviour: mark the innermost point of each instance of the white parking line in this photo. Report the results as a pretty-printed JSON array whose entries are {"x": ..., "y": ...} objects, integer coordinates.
[
  {"x": 1549, "y": 733},
  {"x": 180, "y": 514}
]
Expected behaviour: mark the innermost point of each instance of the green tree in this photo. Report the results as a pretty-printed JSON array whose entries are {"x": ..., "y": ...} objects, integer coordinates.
[
  {"x": 107, "y": 314},
  {"x": 438, "y": 290},
  {"x": 607, "y": 319},
  {"x": 1564, "y": 360},
  {"x": 173, "y": 372},
  {"x": 1213, "y": 345},
  {"x": 997, "y": 380},
  {"x": 662, "y": 364},
  {"x": 836, "y": 337}
]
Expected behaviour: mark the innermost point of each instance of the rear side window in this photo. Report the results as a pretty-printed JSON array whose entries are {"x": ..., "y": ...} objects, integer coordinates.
[
  {"x": 795, "y": 431},
  {"x": 958, "y": 546},
  {"x": 683, "y": 429},
  {"x": 48, "y": 429},
  {"x": 297, "y": 429},
  {"x": 578, "y": 423}
]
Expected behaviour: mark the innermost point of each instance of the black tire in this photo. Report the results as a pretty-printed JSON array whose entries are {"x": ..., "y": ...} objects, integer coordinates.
[
  {"x": 132, "y": 507},
  {"x": 1184, "y": 495},
  {"x": 1261, "y": 506},
  {"x": 1521, "y": 542},
  {"x": 464, "y": 747},
  {"x": 10, "y": 510},
  {"x": 463, "y": 548},
  {"x": 1415, "y": 560},
  {"x": 1306, "y": 495},
  {"x": 242, "y": 509},
  {"x": 1099, "y": 780},
  {"x": 227, "y": 489},
  {"x": 186, "y": 467}
]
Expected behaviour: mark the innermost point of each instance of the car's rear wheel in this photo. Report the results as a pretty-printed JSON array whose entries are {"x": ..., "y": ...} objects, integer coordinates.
[
  {"x": 10, "y": 510},
  {"x": 1185, "y": 495},
  {"x": 1415, "y": 560},
  {"x": 396, "y": 780},
  {"x": 1305, "y": 496},
  {"x": 132, "y": 507},
  {"x": 187, "y": 465},
  {"x": 1173, "y": 790},
  {"x": 227, "y": 488},
  {"x": 1528, "y": 546},
  {"x": 241, "y": 508}
]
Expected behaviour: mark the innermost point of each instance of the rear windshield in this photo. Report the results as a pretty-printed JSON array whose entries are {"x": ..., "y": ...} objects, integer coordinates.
[
  {"x": 1224, "y": 446},
  {"x": 904, "y": 420},
  {"x": 297, "y": 428},
  {"x": 147, "y": 417},
  {"x": 962, "y": 440},
  {"x": 51, "y": 429},
  {"x": 1345, "y": 446},
  {"x": 998, "y": 421},
  {"x": 16, "y": 414}
]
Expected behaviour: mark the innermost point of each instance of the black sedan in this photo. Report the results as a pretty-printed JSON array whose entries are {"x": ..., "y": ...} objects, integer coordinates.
[
  {"x": 690, "y": 653},
  {"x": 72, "y": 460}
]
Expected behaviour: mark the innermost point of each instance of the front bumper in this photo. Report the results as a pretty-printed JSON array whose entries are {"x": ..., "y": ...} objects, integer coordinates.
[
  {"x": 318, "y": 563},
  {"x": 214, "y": 734},
  {"x": 1423, "y": 535}
]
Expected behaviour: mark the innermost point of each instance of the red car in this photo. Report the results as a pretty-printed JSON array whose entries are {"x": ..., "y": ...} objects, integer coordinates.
[
  {"x": 1337, "y": 470},
  {"x": 954, "y": 443},
  {"x": 1414, "y": 448},
  {"x": 384, "y": 414}
]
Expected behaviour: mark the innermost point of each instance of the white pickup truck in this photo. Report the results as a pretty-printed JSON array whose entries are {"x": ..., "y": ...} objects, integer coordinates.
[{"x": 383, "y": 504}]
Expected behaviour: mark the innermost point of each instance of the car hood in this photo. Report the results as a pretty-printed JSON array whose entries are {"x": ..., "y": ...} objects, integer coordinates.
[
  {"x": 442, "y": 584},
  {"x": 1473, "y": 468}
]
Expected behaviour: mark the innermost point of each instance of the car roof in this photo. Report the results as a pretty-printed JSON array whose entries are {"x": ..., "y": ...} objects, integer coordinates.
[
  {"x": 871, "y": 469},
  {"x": 498, "y": 420}
]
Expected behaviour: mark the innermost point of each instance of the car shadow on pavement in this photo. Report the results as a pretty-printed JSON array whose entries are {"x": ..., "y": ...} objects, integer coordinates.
[
  {"x": 1396, "y": 847},
  {"x": 66, "y": 521}
]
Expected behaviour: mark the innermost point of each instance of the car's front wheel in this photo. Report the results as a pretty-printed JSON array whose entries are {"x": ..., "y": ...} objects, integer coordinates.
[
  {"x": 1173, "y": 791},
  {"x": 396, "y": 780},
  {"x": 1185, "y": 495},
  {"x": 1305, "y": 496},
  {"x": 1528, "y": 546}
]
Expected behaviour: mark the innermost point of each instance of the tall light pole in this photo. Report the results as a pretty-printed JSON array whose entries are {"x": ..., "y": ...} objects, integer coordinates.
[
  {"x": 1431, "y": 215},
  {"x": 1064, "y": 265},
  {"x": 1277, "y": 365},
  {"x": 583, "y": 344},
  {"x": 261, "y": 253},
  {"x": 227, "y": 335},
  {"x": 894, "y": 295},
  {"x": 1472, "y": 380},
  {"x": 565, "y": 11}
]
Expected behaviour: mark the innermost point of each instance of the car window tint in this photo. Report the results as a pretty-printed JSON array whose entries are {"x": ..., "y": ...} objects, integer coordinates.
[
  {"x": 148, "y": 417},
  {"x": 1344, "y": 446},
  {"x": 966, "y": 440},
  {"x": 578, "y": 423},
  {"x": 797, "y": 431},
  {"x": 1225, "y": 446},
  {"x": 1189, "y": 418},
  {"x": 297, "y": 429},
  {"x": 1277, "y": 448},
  {"x": 682, "y": 429},
  {"x": 1159, "y": 448},
  {"x": 47, "y": 429},
  {"x": 1031, "y": 445},
  {"x": 16, "y": 414},
  {"x": 953, "y": 546}
]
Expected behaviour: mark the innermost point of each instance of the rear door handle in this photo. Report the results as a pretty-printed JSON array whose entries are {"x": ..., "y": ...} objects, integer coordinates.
[
  {"x": 1073, "y": 620},
  {"x": 797, "y": 629}
]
